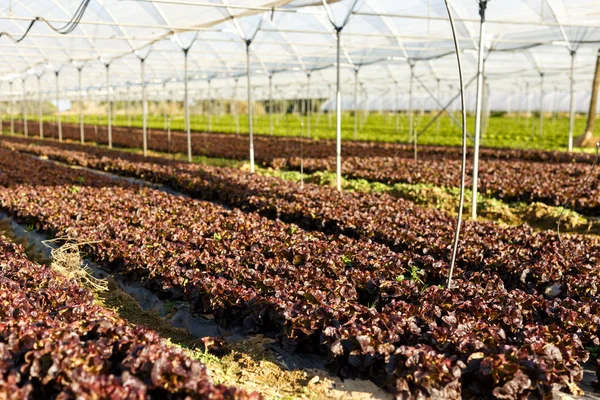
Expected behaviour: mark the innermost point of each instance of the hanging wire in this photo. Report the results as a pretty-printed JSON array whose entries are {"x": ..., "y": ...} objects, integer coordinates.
[
  {"x": 461, "y": 201},
  {"x": 63, "y": 30},
  {"x": 581, "y": 186}
]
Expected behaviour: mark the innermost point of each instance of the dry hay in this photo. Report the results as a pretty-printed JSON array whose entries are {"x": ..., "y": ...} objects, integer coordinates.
[{"x": 67, "y": 261}]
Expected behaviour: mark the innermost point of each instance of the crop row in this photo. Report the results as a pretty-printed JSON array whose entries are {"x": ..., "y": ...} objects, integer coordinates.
[
  {"x": 545, "y": 182},
  {"x": 56, "y": 343},
  {"x": 511, "y": 180},
  {"x": 517, "y": 321},
  {"x": 396, "y": 223},
  {"x": 275, "y": 151}
]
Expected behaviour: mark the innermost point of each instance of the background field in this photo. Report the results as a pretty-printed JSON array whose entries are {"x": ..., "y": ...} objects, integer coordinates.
[{"x": 502, "y": 130}]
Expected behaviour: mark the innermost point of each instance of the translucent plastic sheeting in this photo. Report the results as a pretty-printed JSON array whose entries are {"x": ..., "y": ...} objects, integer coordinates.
[{"x": 525, "y": 38}]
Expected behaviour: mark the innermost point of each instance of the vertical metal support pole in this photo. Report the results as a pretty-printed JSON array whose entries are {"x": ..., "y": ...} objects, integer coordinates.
[
  {"x": 128, "y": 106},
  {"x": 478, "y": 105},
  {"x": 12, "y": 109},
  {"x": 250, "y": 132},
  {"x": 301, "y": 106},
  {"x": 2, "y": 115},
  {"x": 572, "y": 102},
  {"x": 186, "y": 105},
  {"x": 519, "y": 103},
  {"x": 165, "y": 108},
  {"x": 81, "y": 129},
  {"x": 338, "y": 107},
  {"x": 169, "y": 136},
  {"x": 485, "y": 108},
  {"x": 555, "y": 101},
  {"x": 236, "y": 116},
  {"x": 58, "y": 110},
  {"x": 396, "y": 113},
  {"x": 209, "y": 106},
  {"x": 40, "y": 107},
  {"x": 411, "y": 130},
  {"x": 355, "y": 104},
  {"x": 414, "y": 123},
  {"x": 171, "y": 106},
  {"x": 308, "y": 106},
  {"x": 528, "y": 105},
  {"x": 541, "y": 131},
  {"x": 144, "y": 108},
  {"x": 437, "y": 94},
  {"x": 108, "y": 106},
  {"x": 270, "y": 104},
  {"x": 329, "y": 113},
  {"x": 25, "y": 128}
]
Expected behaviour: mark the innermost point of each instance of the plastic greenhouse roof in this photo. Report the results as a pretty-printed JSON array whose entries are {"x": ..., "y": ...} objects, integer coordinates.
[{"x": 295, "y": 38}]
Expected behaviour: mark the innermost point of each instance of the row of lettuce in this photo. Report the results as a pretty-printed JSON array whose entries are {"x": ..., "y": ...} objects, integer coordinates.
[
  {"x": 362, "y": 285},
  {"x": 575, "y": 184},
  {"x": 274, "y": 150},
  {"x": 55, "y": 342},
  {"x": 552, "y": 178}
]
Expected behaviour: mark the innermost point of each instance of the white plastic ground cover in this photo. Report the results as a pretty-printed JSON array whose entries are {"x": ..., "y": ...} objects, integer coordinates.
[{"x": 295, "y": 39}]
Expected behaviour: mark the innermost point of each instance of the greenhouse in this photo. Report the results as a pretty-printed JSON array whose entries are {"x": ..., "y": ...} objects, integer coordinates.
[{"x": 313, "y": 199}]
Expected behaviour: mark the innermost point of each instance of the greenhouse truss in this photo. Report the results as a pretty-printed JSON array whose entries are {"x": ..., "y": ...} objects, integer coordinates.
[
  {"x": 295, "y": 40},
  {"x": 393, "y": 55}
]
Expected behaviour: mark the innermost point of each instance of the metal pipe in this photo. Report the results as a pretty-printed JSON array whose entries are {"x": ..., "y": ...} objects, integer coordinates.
[
  {"x": 355, "y": 104},
  {"x": 58, "y": 110},
  {"x": 541, "y": 131},
  {"x": 248, "y": 42},
  {"x": 81, "y": 128},
  {"x": 413, "y": 119},
  {"x": 437, "y": 95},
  {"x": 12, "y": 109},
  {"x": 236, "y": 116},
  {"x": 437, "y": 101},
  {"x": 519, "y": 103},
  {"x": 108, "y": 106},
  {"x": 271, "y": 104},
  {"x": 572, "y": 102},
  {"x": 2, "y": 115},
  {"x": 396, "y": 113},
  {"x": 128, "y": 106},
  {"x": 528, "y": 105},
  {"x": 478, "y": 104},
  {"x": 329, "y": 113},
  {"x": 411, "y": 130},
  {"x": 308, "y": 106},
  {"x": 25, "y": 128},
  {"x": 165, "y": 108},
  {"x": 40, "y": 107},
  {"x": 186, "y": 104},
  {"x": 338, "y": 107},
  {"x": 464, "y": 148},
  {"x": 169, "y": 135},
  {"x": 209, "y": 107},
  {"x": 144, "y": 109},
  {"x": 555, "y": 104}
]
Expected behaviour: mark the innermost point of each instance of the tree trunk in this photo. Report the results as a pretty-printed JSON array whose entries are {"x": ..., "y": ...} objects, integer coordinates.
[{"x": 587, "y": 139}]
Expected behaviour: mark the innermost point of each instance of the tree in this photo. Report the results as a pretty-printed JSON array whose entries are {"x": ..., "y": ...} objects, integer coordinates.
[{"x": 587, "y": 139}]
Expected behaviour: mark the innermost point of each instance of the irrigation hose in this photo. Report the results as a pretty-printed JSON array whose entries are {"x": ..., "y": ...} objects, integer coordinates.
[
  {"x": 461, "y": 201},
  {"x": 63, "y": 30}
]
